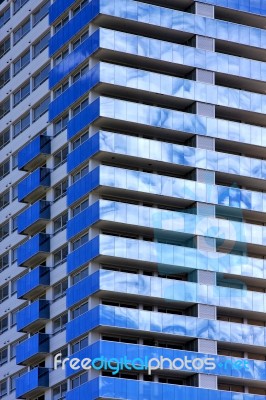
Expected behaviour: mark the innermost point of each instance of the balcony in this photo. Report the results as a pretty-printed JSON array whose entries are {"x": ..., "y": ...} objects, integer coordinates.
[
  {"x": 33, "y": 383},
  {"x": 34, "y": 186},
  {"x": 34, "y": 251},
  {"x": 33, "y": 316},
  {"x": 83, "y": 152},
  {"x": 83, "y": 255},
  {"x": 32, "y": 284},
  {"x": 35, "y": 153},
  {"x": 34, "y": 218},
  {"x": 32, "y": 349},
  {"x": 57, "y": 8},
  {"x": 105, "y": 387}
]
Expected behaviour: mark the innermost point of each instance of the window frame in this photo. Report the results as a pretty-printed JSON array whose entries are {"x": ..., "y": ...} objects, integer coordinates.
[
  {"x": 62, "y": 259},
  {"x": 5, "y": 138},
  {"x": 22, "y": 64},
  {"x": 44, "y": 39},
  {"x": 5, "y": 77},
  {"x": 21, "y": 4},
  {"x": 42, "y": 75},
  {"x": 5, "y": 15},
  {"x": 62, "y": 154},
  {"x": 62, "y": 221},
  {"x": 22, "y": 30},
  {"x": 21, "y": 125},
  {"x": 4, "y": 293},
  {"x": 62, "y": 325},
  {"x": 21, "y": 94},
  {"x": 41, "y": 108},
  {"x": 61, "y": 123},
  {"x": 43, "y": 11},
  {"x": 63, "y": 193},
  {"x": 6, "y": 45},
  {"x": 4, "y": 169},
  {"x": 62, "y": 286}
]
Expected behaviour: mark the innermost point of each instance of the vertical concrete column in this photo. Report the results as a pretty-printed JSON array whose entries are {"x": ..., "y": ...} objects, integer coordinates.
[{"x": 204, "y": 243}]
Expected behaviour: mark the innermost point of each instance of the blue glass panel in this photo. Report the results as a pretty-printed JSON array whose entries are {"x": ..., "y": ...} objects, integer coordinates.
[
  {"x": 252, "y": 6},
  {"x": 82, "y": 289},
  {"x": 83, "y": 186},
  {"x": 83, "y": 119},
  {"x": 221, "y": 365},
  {"x": 76, "y": 57},
  {"x": 33, "y": 249},
  {"x": 34, "y": 185},
  {"x": 34, "y": 215},
  {"x": 32, "y": 380},
  {"x": 32, "y": 315},
  {"x": 163, "y": 84},
  {"x": 83, "y": 220},
  {"x": 58, "y": 8},
  {"x": 82, "y": 255},
  {"x": 128, "y": 389},
  {"x": 37, "y": 344},
  {"x": 74, "y": 92},
  {"x": 168, "y": 324},
  {"x": 34, "y": 153},
  {"x": 70, "y": 29},
  {"x": 181, "y": 21},
  {"x": 33, "y": 282},
  {"x": 83, "y": 152},
  {"x": 146, "y": 182},
  {"x": 181, "y": 121},
  {"x": 119, "y": 282},
  {"x": 162, "y": 221}
]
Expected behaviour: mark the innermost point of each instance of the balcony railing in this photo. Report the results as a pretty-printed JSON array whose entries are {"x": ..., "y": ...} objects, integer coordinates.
[
  {"x": 32, "y": 349},
  {"x": 34, "y": 186},
  {"x": 34, "y": 251},
  {"x": 33, "y": 316},
  {"x": 32, "y": 284},
  {"x": 35, "y": 153},
  {"x": 34, "y": 218},
  {"x": 33, "y": 383}
]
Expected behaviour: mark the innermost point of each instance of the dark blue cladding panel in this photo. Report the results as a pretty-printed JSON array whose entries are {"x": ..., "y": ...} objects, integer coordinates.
[
  {"x": 75, "y": 58},
  {"x": 83, "y": 152},
  {"x": 38, "y": 310},
  {"x": 65, "y": 34},
  {"x": 83, "y": 255},
  {"x": 74, "y": 92},
  {"x": 36, "y": 212},
  {"x": 37, "y": 147},
  {"x": 37, "y": 278},
  {"x": 40, "y": 243},
  {"x": 83, "y": 186},
  {"x": 38, "y": 179},
  {"x": 83, "y": 119},
  {"x": 30, "y": 347},
  {"x": 57, "y": 8},
  {"x": 83, "y": 220},
  {"x": 83, "y": 289},
  {"x": 32, "y": 381}
]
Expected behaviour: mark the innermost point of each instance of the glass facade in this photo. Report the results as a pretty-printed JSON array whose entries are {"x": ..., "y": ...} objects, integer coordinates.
[{"x": 133, "y": 229}]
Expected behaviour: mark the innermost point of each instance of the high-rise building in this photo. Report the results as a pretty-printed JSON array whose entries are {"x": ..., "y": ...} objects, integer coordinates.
[{"x": 133, "y": 199}]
